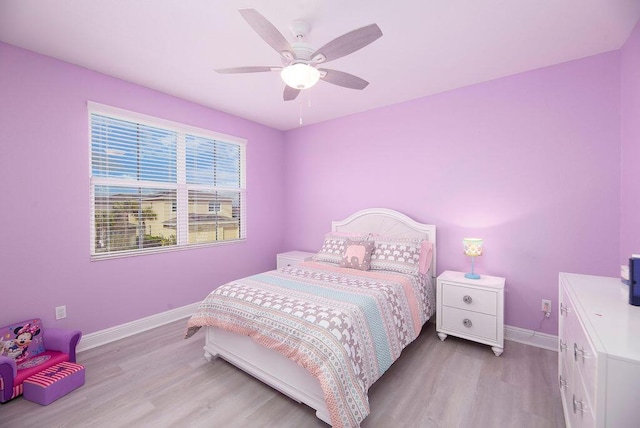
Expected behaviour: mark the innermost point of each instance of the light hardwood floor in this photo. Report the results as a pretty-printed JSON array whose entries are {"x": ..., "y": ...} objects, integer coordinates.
[{"x": 158, "y": 379}]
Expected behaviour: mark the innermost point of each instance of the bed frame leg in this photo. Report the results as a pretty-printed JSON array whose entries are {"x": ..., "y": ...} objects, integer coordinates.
[{"x": 209, "y": 356}]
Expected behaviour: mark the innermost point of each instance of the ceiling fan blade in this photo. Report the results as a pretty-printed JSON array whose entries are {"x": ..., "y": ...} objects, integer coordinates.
[
  {"x": 268, "y": 32},
  {"x": 257, "y": 69},
  {"x": 343, "y": 79},
  {"x": 290, "y": 93},
  {"x": 347, "y": 43}
]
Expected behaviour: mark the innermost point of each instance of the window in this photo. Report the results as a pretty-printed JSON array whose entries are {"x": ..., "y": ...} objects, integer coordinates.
[{"x": 158, "y": 185}]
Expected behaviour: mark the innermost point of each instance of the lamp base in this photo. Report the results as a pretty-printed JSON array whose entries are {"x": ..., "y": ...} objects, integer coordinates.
[{"x": 472, "y": 275}]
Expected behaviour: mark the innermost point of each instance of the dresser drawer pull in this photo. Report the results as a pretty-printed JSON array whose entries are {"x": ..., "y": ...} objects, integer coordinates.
[
  {"x": 564, "y": 310},
  {"x": 467, "y": 299},
  {"x": 578, "y": 405},
  {"x": 563, "y": 382},
  {"x": 563, "y": 346},
  {"x": 579, "y": 352},
  {"x": 467, "y": 323}
]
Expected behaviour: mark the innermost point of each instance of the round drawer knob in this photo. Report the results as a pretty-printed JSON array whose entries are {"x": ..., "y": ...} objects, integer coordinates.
[
  {"x": 467, "y": 299},
  {"x": 467, "y": 323}
]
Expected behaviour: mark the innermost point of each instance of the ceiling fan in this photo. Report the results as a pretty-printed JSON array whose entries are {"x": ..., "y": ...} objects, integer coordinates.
[{"x": 300, "y": 61}]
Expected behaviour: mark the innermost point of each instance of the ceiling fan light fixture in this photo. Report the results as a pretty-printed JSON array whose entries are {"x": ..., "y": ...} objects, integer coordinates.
[{"x": 300, "y": 75}]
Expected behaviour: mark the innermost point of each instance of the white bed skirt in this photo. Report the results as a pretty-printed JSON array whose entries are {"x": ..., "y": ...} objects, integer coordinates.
[{"x": 269, "y": 366}]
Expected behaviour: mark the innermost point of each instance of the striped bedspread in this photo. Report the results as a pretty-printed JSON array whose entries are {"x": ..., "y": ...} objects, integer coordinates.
[{"x": 345, "y": 326}]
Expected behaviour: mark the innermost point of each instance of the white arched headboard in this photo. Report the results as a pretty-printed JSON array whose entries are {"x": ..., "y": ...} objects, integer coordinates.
[{"x": 389, "y": 223}]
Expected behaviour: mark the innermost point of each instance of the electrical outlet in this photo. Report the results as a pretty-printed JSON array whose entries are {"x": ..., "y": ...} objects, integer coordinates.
[
  {"x": 546, "y": 307},
  {"x": 61, "y": 312}
]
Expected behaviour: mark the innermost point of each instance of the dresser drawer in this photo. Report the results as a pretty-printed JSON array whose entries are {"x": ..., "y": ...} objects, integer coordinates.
[
  {"x": 582, "y": 412},
  {"x": 470, "y": 299},
  {"x": 585, "y": 359},
  {"x": 565, "y": 363},
  {"x": 578, "y": 349},
  {"x": 467, "y": 323}
]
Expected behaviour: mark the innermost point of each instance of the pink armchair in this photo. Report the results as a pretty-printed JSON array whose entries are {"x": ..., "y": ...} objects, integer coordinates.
[{"x": 27, "y": 348}]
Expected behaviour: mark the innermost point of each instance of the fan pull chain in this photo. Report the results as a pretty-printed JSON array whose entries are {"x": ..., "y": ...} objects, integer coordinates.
[
  {"x": 300, "y": 111},
  {"x": 301, "y": 104}
]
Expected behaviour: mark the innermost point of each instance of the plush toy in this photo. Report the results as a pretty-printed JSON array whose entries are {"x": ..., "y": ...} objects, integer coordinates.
[{"x": 10, "y": 348}]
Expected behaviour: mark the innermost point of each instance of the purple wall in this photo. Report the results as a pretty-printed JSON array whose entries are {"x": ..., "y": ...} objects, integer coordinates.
[
  {"x": 529, "y": 162},
  {"x": 630, "y": 165},
  {"x": 44, "y": 177}
]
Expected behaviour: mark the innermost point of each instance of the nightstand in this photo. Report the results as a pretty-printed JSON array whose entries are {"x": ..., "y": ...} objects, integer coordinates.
[
  {"x": 293, "y": 258},
  {"x": 472, "y": 309}
]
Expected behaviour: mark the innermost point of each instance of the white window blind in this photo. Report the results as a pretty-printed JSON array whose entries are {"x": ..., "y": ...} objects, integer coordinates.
[{"x": 153, "y": 184}]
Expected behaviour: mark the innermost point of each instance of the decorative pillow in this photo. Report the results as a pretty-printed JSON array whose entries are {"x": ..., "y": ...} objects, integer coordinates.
[
  {"x": 333, "y": 247},
  {"x": 357, "y": 254},
  {"x": 22, "y": 340},
  {"x": 397, "y": 255},
  {"x": 426, "y": 254}
]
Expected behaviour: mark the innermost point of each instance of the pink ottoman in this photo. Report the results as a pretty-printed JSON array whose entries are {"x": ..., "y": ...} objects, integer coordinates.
[{"x": 48, "y": 385}]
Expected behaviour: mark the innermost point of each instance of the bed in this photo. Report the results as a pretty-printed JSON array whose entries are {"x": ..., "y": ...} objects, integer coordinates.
[{"x": 285, "y": 351}]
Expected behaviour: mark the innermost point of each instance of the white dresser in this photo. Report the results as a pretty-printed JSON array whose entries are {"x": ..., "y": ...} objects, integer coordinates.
[
  {"x": 471, "y": 308},
  {"x": 599, "y": 353}
]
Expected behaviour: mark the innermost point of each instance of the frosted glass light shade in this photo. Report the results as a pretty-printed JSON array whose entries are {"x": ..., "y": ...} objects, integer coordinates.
[
  {"x": 472, "y": 246},
  {"x": 300, "y": 75}
]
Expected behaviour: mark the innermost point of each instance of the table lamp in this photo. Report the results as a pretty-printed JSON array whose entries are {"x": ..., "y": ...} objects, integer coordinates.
[{"x": 472, "y": 248}]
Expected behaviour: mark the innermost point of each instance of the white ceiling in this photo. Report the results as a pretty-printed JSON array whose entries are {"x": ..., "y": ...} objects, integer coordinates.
[{"x": 428, "y": 46}]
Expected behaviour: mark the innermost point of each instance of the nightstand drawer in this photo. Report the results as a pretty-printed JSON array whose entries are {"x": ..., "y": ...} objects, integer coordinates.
[
  {"x": 469, "y": 323},
  {"x": 469, "y": 299},
  {"x": 292, "y": 258}
]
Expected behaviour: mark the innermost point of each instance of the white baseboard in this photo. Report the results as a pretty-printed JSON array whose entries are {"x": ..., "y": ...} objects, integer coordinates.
[
  {"x": 118, "y": 332},
  {"x": 102, "y": 337},
  {"x": 531, "y": 337}
]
